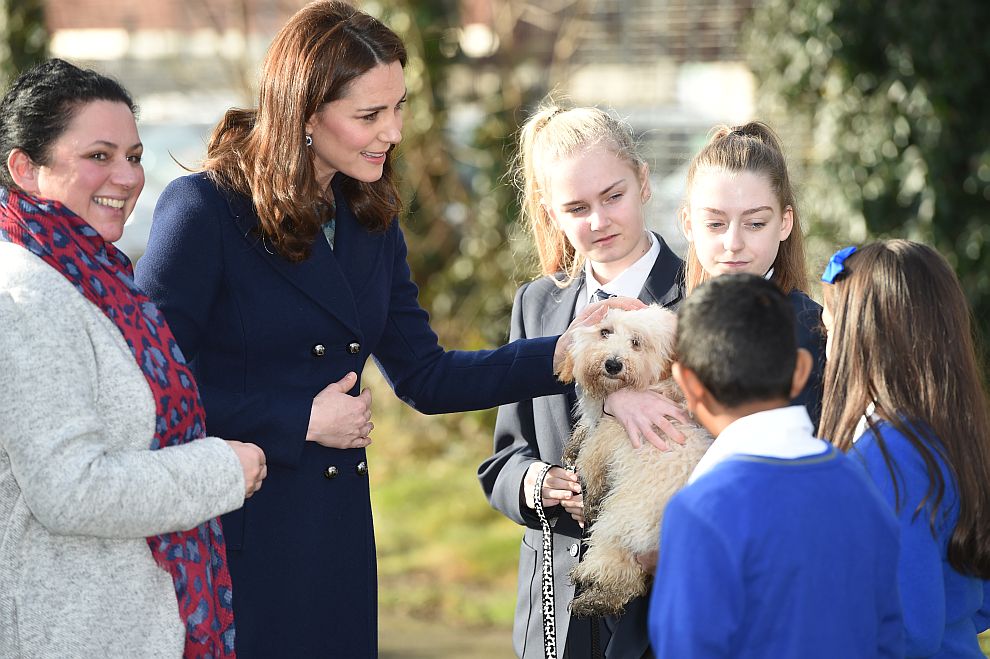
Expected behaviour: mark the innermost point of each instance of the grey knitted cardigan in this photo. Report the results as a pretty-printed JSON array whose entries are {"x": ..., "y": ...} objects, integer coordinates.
[{"x": 80, "y": 490}]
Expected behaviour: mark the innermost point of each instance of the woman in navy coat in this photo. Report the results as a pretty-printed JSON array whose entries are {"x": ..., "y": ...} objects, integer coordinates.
[{"x": 281, "y": 269}]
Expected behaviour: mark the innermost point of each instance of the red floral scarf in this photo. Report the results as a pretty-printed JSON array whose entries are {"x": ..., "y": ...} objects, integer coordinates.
[{"x": 197, "y": 558}]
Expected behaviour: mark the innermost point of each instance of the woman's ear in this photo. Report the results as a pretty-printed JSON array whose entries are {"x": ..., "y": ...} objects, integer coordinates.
[
  {"x": 644, "y": 188},
  {"x": 786, "y": 223},
  {"x": 23, "y": 170},
  {"x": 684, "y": 215}
]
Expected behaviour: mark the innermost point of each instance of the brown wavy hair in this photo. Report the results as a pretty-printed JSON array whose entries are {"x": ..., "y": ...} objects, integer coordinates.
[
  {"x": 755, "y": 148},
  {"x": 551, "y": 133},
  {"x": 262, "y": 153},
  {"x": 905, "y": 342}
]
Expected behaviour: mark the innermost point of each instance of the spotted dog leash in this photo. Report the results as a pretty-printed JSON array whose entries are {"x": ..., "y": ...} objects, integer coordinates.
[{"x": 546, "y": 579}]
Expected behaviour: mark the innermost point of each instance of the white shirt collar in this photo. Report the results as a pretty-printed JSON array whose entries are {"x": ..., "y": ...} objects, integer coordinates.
[
  {"x": 785, "y": 432},
  {"x": 631, "y": 281},
  {"x": 863, "y": 424}
]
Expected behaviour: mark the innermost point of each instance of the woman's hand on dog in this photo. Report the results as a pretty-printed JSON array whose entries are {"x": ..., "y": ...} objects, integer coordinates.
[
  {"x": 592, "y": 314},
  {"x": 642, "y": 413},
  {"x": 560, "y": 487}
]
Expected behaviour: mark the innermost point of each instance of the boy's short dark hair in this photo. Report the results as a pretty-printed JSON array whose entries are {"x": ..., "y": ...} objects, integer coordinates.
[{"x": 736, "y": 332}]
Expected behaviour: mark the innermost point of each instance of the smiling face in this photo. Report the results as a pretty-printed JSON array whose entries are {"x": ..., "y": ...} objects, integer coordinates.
[
  {"x": 94, "y": 167},
  {"x": 735, "y": 222},
  {"x": 353, "y": 134},
  {"x": 596, "y": 198}
]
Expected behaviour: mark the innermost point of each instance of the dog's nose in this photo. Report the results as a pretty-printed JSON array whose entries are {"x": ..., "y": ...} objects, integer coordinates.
[{"x": 612, "y": 366}]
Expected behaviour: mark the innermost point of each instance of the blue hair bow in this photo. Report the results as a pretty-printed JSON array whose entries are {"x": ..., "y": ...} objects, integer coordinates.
[{"x": 836, "y": 265}]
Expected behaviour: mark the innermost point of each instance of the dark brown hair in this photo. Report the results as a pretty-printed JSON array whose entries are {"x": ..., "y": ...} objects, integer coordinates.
[
  {"x": 903, "y": 340},
  {"x": 41, "y": 103},
  {"x": 262, "y": 153},
  {"x": 754, "y": 148}
]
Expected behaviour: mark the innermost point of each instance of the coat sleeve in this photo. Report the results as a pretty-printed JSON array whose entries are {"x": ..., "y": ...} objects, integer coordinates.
[
  {"x": 516, "y": 447},
  {"x": 920, "y": 564},
  {"x": 70, "y": 479},
  {"x": 982, "y": 617},
  {"x": 697, "y": 599},
  {"x": 436, "y": 381},
  {"x": 182, "y": 272}
]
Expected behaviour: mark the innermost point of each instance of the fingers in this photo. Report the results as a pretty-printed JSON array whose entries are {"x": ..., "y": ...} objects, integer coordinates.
[
  {"x": 656, "y": 440},
  {"x": 345, "y": 383},
  {"x": 624, "y": 303},
  {"x": 667, "y": 428},
  {"x": 635, "y": 436},
  {"x": 255, "y": 467}
]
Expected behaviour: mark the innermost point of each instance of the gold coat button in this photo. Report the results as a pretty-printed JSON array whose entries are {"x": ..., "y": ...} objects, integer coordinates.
[
  {"x": 362, "y": 468},
  {"x": 353, "y": 347},
  {"x": 319, "y": 350},
  {"x": 331, "y": 472}
]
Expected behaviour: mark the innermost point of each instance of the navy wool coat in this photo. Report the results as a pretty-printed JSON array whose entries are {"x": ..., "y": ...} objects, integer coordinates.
[{"x": 264, "y": 336}]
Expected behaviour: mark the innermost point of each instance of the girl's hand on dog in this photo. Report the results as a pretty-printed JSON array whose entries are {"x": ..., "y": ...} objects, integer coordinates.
[
  {"x": 592, "y": 314},
  {"x": 642, "y": 413},
  {"x": 560, "y": 487}
]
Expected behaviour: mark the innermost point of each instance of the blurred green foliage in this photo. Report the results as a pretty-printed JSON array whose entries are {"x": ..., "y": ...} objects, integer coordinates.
[
  {"x": 23, "y": 37},
  {"x": 894, "y": 98}
]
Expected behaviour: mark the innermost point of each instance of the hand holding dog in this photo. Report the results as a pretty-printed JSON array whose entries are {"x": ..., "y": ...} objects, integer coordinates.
[
  {"x": 560, "y": 487},
  {"x": 591, "y": 315},
  {"x": 339, "y": 420},
  {"x": 642, "y": 412}
]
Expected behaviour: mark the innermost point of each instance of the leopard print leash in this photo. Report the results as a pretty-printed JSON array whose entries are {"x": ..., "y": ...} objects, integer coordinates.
[{"x": 546, "y": 579}]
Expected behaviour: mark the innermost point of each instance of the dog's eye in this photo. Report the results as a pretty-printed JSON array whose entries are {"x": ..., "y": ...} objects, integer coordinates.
[
  {"x": 606, "y": 332},
  {"x": 634, "y": 342}
]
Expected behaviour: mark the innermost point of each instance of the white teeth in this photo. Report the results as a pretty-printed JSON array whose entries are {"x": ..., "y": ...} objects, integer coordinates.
[
  {"x": 374, "y": 155},
  {"x": 107, "y": 201}
]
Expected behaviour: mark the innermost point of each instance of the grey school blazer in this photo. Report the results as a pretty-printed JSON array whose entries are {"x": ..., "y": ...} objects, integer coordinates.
[{"x": 536, "y": 430}]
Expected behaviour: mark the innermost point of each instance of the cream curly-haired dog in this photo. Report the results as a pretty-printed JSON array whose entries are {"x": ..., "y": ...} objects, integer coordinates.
[{"x": 625, "y": 489}]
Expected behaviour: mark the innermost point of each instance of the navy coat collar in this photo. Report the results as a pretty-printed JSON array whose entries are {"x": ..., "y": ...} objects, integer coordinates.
[{"x": 334, "y": 279}]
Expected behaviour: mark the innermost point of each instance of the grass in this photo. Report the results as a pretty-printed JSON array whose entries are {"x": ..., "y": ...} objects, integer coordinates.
[{"x": 443, "y": 553}]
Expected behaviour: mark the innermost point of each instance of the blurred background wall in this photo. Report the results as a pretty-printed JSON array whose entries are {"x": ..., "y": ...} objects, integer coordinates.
[{"x": 881, "y": 106}]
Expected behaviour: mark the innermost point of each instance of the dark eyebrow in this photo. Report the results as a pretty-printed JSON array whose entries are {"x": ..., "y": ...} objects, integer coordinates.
[
  {"x": 111, "y": 145},
  {"x": 602, "y": 193},
  {"x": 378, "y": 108}
]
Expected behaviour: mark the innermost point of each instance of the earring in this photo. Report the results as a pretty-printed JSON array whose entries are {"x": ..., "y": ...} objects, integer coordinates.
[{"x": 309, "y": 140}]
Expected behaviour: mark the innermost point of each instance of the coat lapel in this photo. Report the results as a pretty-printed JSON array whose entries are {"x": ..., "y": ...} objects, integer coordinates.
[
  {"x": 320, "y": 276},
  {"x": 665, "y": 284},
  {"x": 556, "y": 318},
  {"x": 357, "y": 251}
]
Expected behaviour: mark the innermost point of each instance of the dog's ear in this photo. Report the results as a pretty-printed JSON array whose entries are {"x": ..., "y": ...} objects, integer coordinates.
[
  {"x": 565, "y": 373},
  {"x": 667, "y": 371}
]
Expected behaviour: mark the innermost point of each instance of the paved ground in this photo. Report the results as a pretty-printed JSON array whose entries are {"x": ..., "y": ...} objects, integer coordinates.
[{"x": 404, "y": 638}]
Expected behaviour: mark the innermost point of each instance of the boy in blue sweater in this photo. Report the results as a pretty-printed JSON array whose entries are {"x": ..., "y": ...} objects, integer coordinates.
[{"x": 779, "y": 546}]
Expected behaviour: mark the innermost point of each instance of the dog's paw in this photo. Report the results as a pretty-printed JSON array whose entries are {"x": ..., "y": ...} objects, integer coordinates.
[{"x": 593, "y": 602}]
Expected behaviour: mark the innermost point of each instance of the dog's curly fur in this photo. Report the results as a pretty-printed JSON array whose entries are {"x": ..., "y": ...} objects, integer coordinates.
[{"x": 625, "y": 490}]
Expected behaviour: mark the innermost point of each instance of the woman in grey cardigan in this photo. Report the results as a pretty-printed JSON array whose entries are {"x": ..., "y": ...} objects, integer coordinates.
[{"x": 109, "y": 548}]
